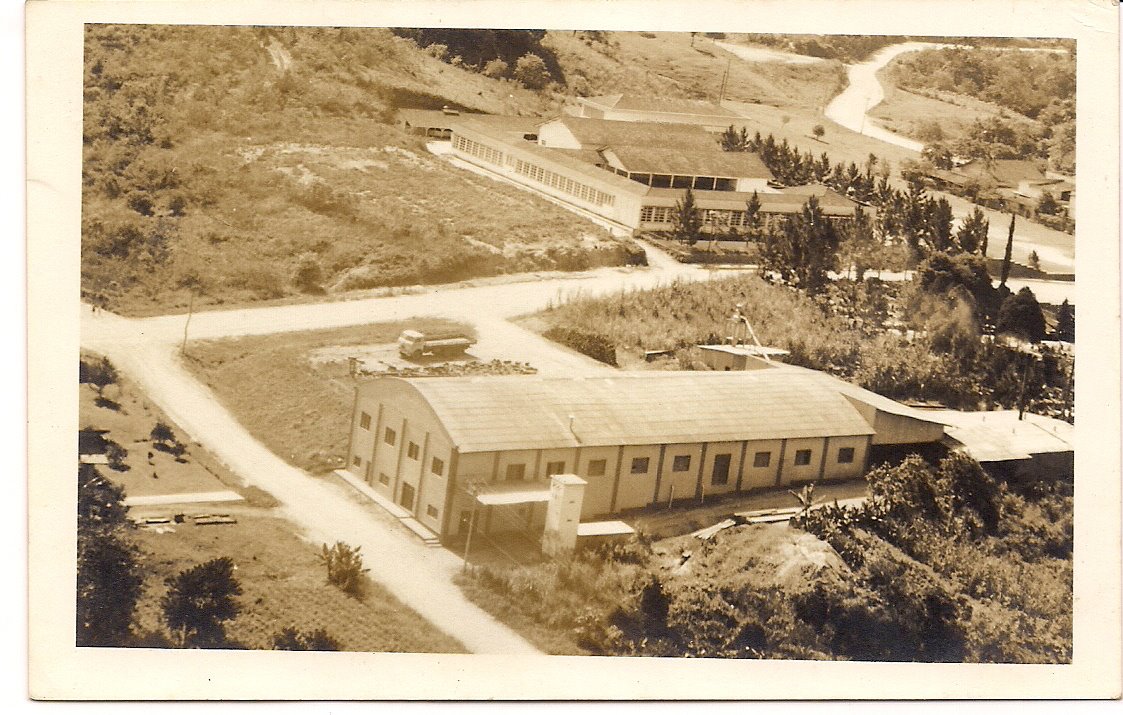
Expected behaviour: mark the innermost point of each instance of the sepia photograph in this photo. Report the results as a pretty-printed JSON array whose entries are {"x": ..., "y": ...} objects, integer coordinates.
[{"x": 580, "y": 348}]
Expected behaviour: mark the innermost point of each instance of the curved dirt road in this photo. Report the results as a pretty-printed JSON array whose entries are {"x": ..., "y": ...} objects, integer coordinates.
[{"x": 865, "y": 92}]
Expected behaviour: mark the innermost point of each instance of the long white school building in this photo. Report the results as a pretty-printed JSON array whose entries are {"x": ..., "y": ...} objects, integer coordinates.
[{"x": 633, "y": 173}]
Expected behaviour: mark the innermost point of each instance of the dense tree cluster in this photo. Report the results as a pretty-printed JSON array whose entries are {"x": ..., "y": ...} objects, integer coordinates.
[
  {"x": 110, "y": 581},
  {"x": 845, "y": 48},
  {"x": 1039, "y": 86},
  {"x": 519, "y": 54}
]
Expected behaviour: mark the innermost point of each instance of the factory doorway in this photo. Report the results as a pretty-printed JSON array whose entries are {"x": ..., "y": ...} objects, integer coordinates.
[{"x": 406, "y": 498}]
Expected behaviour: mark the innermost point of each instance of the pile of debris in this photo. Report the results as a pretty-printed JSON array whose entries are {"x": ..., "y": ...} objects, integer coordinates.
[{"x": 455, "y": 369}]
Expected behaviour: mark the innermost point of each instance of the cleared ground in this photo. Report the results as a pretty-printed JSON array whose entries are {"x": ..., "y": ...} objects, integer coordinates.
[
  {"x": 287, "y": 395},
  {"x": 284, "y": 583}
]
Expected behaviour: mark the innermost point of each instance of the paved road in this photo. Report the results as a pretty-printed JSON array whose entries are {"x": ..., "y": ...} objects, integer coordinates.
[{"x": 147, "y": 350}]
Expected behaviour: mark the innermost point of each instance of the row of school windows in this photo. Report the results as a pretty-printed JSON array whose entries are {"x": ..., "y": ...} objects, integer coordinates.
[
  {"x": 716, "y": 217},
  {"x": 679, "y": 463},
  {"x": 562, "y": 183},
  {"x": 482, "y": 151},
  {"x": 674, "y": 181}
]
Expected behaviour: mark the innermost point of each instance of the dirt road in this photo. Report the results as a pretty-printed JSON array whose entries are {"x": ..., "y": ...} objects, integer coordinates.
[
  {"x": 147, "y": 350},
  {"x": 850, "y": 108}
]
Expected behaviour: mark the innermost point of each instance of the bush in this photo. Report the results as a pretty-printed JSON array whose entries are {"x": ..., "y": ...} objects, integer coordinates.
[
  {"x": 531, "y": 71},
  {"x": 109, "y": 586},
  {"x": 496, "y": 68},
  {"x": 345, "y": 567},
  {"x": 309, "y": 276},
  {"x": 594, "y": 345},
  {"x": 199, "y": 601},
  {"x": 1021, "y": 315},
  {"x": 292, "y": 639}
]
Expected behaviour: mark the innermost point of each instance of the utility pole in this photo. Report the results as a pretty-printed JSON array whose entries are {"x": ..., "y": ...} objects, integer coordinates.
[
  {"x": 190, "y": 311},
  {"x": 472, "y": 491},
  {"x": 724, "y": 80}
]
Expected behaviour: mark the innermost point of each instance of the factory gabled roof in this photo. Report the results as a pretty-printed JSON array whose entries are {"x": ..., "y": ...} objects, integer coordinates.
[{"x": 484, "y": 414}]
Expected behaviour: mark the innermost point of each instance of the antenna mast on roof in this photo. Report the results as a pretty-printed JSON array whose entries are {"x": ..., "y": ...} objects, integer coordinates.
[{"x": 739, "y": 318}]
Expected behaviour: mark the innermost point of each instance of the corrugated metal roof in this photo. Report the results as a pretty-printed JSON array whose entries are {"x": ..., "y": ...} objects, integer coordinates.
[
  {"x": 484, "y": 414},
  {"x": 999, "y": 436},
  {"x": 676, "y": 160}
]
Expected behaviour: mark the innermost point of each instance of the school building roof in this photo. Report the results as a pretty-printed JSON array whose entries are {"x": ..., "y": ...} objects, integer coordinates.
[
  {"x": 634, "y": 103},
  {"x": 597, "y": 133},
  {"x": 483, "y": 414},
  {"x": 675, "y": 160}
]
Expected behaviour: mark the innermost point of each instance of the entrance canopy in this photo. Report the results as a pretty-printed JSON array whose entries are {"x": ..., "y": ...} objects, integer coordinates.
[{"x": 517, "y": 493}]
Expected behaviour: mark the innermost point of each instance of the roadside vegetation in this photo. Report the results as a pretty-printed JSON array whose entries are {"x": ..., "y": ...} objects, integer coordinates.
[
  {"x": 247, "y": 581},
  {"x": 943, "y": 564},
  {"x": 846, "y": 331}
]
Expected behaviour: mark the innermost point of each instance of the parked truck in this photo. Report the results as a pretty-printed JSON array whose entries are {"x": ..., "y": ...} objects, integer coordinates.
[{"x": 413, "y": 344}]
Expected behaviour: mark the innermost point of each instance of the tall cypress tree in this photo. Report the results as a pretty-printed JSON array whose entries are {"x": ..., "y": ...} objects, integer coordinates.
[{"x": 1009, "y": 252}]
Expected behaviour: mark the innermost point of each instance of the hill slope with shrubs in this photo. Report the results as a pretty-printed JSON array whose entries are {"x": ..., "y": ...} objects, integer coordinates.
[
  {"x": 243, "y": 164},
  {"x": 942, "y": 564}
]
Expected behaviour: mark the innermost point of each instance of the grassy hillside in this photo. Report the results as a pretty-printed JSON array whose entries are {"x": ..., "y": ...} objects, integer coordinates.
[
  {"x": 671, "y": 64},
  {"x": 250, "y": 163}
]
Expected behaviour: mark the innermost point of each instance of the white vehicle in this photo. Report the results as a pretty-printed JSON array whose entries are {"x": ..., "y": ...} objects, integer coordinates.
[{"x": 413, "y": 344}]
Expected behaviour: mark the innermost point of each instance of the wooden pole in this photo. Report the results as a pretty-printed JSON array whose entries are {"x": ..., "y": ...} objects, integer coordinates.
[
  {"x": 190, "y": 311},
  {"x": 468, "y": 541}
]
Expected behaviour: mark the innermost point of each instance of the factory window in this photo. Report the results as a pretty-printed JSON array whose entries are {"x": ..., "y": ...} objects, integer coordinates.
[
  {"x": 640, "y": 464},
  {"x": 681, "y": 463},
  {"x": 706, "y": 183},
  {"x": 431, "y": 511},
  {"x": 553, "y": 468},
  {"x": 597, "y": 467},
  {"x": 438, "y": 466},
  {"x": 383, "y": 478},
  {"x": 681, "y": 182},
  {"x": 516, "y": 472},
  {"x": 725, "y": 185},
  {"x": 762, "y": 459},
  {"x": 802, "y": 457},
  {"x": 364, "y": 421},
  {"x": 357, "y": 461},
  {"x": 391, "y": 436},
  {"x": 845, "y": 455},
  {"x": 413, "y": 450}
]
